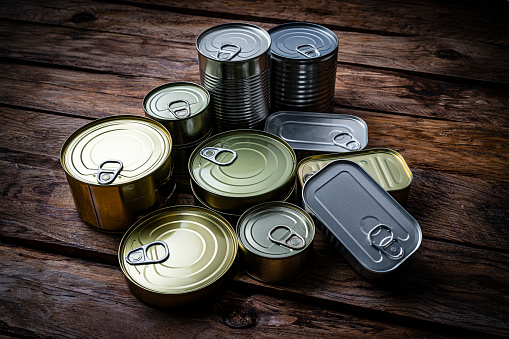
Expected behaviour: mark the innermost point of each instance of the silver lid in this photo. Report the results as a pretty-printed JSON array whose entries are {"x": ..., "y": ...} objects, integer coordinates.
[
  {"x": 301, "y": 40},
  {"x": 233, "y": 42}
]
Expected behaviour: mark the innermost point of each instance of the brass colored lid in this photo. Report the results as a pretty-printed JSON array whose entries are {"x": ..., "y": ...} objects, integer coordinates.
[
  {"x": 123, "y": 148},
  {"x": 192, "y": 247},
  {"x": 242, "y": 163}
]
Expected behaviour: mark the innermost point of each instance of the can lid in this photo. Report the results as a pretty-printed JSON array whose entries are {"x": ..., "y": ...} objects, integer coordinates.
[
  {"x": 233, "y": 42},
  {"x": 116, "y": 150},
  {"x": 302, "y": 40},
  {"x": 178, "y": 249},
  {"x": 176, "y": 101},
  {"x": 275, "y": 230},
  {"x": 377, "y": 231},
  {"x": 242, "y": 163}
]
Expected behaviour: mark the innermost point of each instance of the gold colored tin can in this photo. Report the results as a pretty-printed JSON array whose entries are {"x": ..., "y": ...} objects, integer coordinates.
[
  {"x": 384, "y": 165},
  {"x": 177, "y": 255},
  {"x": 117, "y": 169},
  {"x": 276, "y": 241}
]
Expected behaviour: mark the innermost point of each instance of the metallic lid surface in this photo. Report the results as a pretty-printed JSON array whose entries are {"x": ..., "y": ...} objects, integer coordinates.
[
  {"x": 178, "y": 249},
  {"x": 175, "y": 101},
  {"x": 319, "y": 131},
  {"x": 242, "y": 163},
  {"x": 233, "y": 42},
  {"x": 275, "y": 230},
  {"x": 116, "y": 150},
  {"x": 362, "y": 216},
  {"x": 301, "y": 40}
]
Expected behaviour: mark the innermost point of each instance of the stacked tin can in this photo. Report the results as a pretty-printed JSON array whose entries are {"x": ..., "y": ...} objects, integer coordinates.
[
  {"x": 234, "y": 62},
  {"x": 304, "y": 61},
  {"x": 183, "y": 108}
]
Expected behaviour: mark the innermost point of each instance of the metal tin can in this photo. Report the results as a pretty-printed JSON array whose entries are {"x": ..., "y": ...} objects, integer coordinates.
[
  {"x": 303, "y": 67},
  {"x": 182, "y": 153},
  {"x": 234, "y": 62},
  {"x": 324, "y": 132},
  {"x": 275, "y": 241},
  {"x": 386, "y": 166},
  {"x": 177, "y": 255},
  {"x": 374, "y": 233},
  {"x": 235, "y": 170},
  {"x": 117, "y": 168},
  {"x": 181, "y": 107}
]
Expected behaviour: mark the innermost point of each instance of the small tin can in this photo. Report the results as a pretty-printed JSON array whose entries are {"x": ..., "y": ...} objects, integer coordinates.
[
  {"x": 234, "y": 62},
  {"x": 178, "y": 255},
  {"x": 321, "y": 132},
  {"x": 181, "y": 107},
  {"x": 117, "y": 169},
  {"x": 386, "y": 166},
  {"x": 275, "y": 241},
  {"x": 234, "y": 170},
  {"x": 303, "y": 67},
  {"x": 374, "y": 233}
]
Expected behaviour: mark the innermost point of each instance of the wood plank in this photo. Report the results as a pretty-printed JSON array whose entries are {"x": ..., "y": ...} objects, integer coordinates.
[
  {"x": 50, "y": 295},
  {"x": 426, "y": 55}
]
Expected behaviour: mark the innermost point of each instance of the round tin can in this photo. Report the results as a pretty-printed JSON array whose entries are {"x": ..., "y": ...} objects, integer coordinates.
[
  {"x": 235, "y": 170},
  {"x": 117, "y": 168},
  {"x": 181, "y": 154},
  {"x": 275, "y": 241},
  {"x": 304, "y": 62},
  {"x": 181, "y": 107},
  {"x": 177, "y": 255},
  {"x": 234, "y": 62}
]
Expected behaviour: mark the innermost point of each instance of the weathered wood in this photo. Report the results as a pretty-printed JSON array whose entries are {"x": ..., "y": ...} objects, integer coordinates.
[
  {"x": 120, "y": 24},
  {"x": 45, "y": 295}
]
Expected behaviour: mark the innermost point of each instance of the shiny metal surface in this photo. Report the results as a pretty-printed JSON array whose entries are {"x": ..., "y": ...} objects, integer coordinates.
[
  {"x": 374, "y": 233},
  {"x": 202, "y": 248}
]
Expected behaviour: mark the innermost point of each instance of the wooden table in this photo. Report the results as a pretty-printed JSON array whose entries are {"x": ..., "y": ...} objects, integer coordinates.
[{"x": 431, "y": 80}]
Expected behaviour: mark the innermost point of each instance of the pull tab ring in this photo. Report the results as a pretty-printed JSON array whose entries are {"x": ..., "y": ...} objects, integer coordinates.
[
  {"x": 104, "y": 176},
  {"x": 176, "y": 112},
  {"x": 352, "y": 144},
  {"x": 388, "y": 245},
  {"x": 308, "y": 175},
  {"x": 229, "y": 54},
  {"x": 308, "y": 54},
  {"x": 138, "y": 256},
  {"x": 293, "y": 240},
  {"x": 211, "y": 153}
]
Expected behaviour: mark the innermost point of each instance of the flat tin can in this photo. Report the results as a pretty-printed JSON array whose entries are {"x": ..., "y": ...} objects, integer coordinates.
[
  {"x": 275, "y": 241},
  {"x": 374, "y": 233},
  {"x": 234, "y": 170},
  {"x": 177, "y": 255},
  {"x": 324, "y": 132},
  {"x": 386, "y": 166}
]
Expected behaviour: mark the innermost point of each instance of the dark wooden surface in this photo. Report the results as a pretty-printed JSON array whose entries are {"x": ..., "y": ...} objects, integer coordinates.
[{"x": 431, "y": 80}]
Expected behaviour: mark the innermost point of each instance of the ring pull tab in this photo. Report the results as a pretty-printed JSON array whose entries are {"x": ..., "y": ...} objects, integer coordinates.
[
  {"x": 308, "y": 175},
  {"x": 387, "y": 245},
  {"x": 229, "y": 54},
  {"x": 105, "y": 176},
  {"x": 138, "y": 256},
  {"x": 350, "y": 144},
  {"x": 313, "y": 53},
  {"x": 180, "y": 112},
  {"x": 293, "y": 240},
  {"x": 211, "y": 154}
]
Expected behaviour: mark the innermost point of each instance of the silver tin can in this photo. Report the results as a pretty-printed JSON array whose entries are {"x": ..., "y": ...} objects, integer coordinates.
[
  {"x": 181, "y": 107},
  {"x": 374, "y": 233},
  {"x": 323, "y": 132},
  {"x": 304, "y": 61},
  {"x": 234, "y": 62}
]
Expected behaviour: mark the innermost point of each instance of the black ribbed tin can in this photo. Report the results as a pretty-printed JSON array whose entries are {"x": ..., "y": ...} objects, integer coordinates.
[{"x": 303, "y": 67}]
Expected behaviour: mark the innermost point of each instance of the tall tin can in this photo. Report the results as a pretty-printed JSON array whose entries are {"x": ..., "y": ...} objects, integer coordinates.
[
  {"x": 181, "y": 107},
  {"x": 275, "y": 241},
  {"x": 234, "y": 62},
  {"x": 178, "y": 255},
  {"x": 118, "y": 169},
  {"x": 303, "y": 72}
]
